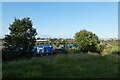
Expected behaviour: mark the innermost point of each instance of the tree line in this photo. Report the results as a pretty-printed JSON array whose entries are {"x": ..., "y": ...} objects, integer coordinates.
[{"x": 21, "y": 40}]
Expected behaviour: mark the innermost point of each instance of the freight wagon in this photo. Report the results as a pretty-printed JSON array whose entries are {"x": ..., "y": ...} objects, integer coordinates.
[{"x": 43, "y": 49}]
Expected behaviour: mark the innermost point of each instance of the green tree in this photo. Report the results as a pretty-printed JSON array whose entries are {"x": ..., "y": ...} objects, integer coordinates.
[
  {"x": 21, "y": 40},
  {"x": 57, "y": 43},
  {"x": 87, "y": 41}
]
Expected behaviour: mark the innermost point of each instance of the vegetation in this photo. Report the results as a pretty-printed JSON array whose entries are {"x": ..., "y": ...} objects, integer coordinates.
[
  {"x": 88, "y": 42},
  {"x": 63, "y": 66},
  {"x": 91, "y": 65},
  {"x": 20, "y": 41},
  {"x": 56, "y": 43},
  {"x": 73, "y": 63},
  {"x": 1, "y": 42}
]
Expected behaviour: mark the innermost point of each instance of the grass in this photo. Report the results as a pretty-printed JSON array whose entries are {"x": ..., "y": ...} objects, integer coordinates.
[
  {"x": 90, "y": 65},
  {"x": 0, "y": 64},
  {"x": 63, "y": 66}
]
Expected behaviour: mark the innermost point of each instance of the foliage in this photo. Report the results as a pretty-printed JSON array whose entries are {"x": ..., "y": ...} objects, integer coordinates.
[
  {"x": 87, "y": 41},
  {"x": 57, "y": 43},
  {"x": 100, "y": 48},
  {"x": 73, "y": 51},
  {"x": 37, "y": 43},
  {"x": 21, "y": 40}
]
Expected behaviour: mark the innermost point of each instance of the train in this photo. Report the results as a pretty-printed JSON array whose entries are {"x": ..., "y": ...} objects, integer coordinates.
[
  {"x": 47, "y": 49},
  {"x": 43, "y": 49}
]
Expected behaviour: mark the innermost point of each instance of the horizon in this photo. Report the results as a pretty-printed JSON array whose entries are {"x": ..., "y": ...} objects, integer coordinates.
[{"x": 64, "y": 19}]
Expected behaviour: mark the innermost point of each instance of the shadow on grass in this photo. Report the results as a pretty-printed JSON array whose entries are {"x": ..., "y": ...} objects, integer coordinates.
[{"x": 116, "y": 52}]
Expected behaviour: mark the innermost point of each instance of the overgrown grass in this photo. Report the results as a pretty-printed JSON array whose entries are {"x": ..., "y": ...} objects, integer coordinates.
[
  {"x": 63, "y": 66},
  {"x": 78, "y": 65},
  {"x": 111, "y": 49},
  {"x": 0, "y": 64}
]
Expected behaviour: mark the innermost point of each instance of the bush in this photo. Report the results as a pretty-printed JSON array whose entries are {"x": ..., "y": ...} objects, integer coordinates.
[
  {"x": 73, "y": 50},
  {"x": 100, "y": 48},
  {"x": 88, "y": 42}
]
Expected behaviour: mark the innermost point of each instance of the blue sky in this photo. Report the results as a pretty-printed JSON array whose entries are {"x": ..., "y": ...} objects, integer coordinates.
[{"x": 57, "y": 19}]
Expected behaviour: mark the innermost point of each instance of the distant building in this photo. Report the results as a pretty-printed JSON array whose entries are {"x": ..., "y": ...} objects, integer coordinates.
[{"x": 40, "y": 40}]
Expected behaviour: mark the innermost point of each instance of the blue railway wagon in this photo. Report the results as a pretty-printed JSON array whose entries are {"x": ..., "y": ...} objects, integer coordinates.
[
  {"x": 43, "y": 48},
  {"x": 72, "y": 45}
]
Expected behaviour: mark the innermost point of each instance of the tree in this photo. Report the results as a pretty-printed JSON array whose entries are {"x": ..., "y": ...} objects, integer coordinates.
[
  {"x": 57, "y": 43},
  {"x": 87, "y": 41},
  {"x": 21, "y": 40}
]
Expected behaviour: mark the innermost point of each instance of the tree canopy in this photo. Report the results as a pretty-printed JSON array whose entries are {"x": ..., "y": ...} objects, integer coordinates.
[
  {"x": 87, "y": 41},
  {"x": 21, "y": 40}
]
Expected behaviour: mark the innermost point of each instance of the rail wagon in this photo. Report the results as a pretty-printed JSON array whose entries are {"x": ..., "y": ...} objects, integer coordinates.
[
  {"x": 72, "y": 45},
  {"x": 43, "y": 49}
]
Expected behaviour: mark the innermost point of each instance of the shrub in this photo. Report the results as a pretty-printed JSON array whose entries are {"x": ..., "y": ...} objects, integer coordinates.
[
  {"x": 73, "y": 50},
  {"x": 88, "y": 42},
  {"x": 100, "y": 48}
]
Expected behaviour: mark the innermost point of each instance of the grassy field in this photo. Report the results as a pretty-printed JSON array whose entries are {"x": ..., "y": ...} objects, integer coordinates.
[
  {"x": 81, "y": 65},
  {"x": 0, "y": 64},
  {"x": 63, "y": 66}
]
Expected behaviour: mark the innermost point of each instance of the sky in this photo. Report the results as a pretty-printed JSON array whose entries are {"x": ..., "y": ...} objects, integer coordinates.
[
  {"x": 60, "y": 0},
  {"x": 64, "y": 19}
]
